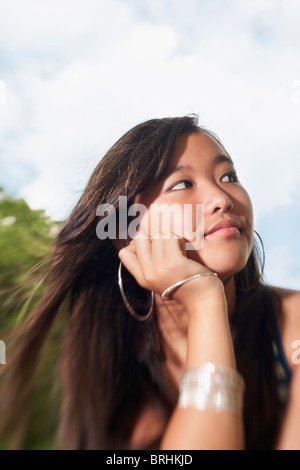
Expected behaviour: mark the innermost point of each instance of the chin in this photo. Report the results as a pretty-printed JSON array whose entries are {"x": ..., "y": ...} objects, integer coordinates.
[{"x": 225, "y": 264}]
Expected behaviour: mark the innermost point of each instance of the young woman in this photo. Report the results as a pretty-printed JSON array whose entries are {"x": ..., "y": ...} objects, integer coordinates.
[{"x": 210, "y": 365}]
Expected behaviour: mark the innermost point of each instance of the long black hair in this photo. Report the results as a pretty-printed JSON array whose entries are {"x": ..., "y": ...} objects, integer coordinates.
[{"x": 109, "y": 362}]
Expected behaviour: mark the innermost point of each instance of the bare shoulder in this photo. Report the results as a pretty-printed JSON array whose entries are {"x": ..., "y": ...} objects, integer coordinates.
[
  {"x": 290, "y": 302},
  {"x": 289, "y": 321}
]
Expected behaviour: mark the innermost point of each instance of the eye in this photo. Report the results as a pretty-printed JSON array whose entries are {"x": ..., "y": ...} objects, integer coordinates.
[
  {"x": 183, "y": 184},
  {"x": 230, "y": 177}
]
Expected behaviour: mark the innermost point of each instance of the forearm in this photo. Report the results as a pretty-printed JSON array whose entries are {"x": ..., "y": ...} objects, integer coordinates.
[
  {"x": 209, "y": 337},
  {"x": 209, "y": 340}
]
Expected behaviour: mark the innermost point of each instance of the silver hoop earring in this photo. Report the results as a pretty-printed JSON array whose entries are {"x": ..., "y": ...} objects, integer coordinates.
[
  {"x": 127, "y": 304},
  {"x": 255, "y": 265},
  {"x": 263, "y": 251}
]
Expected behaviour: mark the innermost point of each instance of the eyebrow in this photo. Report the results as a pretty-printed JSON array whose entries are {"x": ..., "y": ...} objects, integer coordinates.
[
  {"x": 217, "y": 160},
  {"x": 221, "y": 159}
]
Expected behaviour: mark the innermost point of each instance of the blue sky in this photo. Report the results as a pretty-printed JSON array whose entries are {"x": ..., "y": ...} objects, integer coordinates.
[{"x": 77, "y": 74}]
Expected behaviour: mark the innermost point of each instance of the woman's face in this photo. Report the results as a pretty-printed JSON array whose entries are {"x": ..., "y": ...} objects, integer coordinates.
[{"x": 202, "y": 173}]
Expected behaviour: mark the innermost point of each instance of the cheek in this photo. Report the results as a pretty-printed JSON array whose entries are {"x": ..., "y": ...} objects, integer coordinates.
[
  {"x": 249, "y": 210},
  {"x": 243, "y": 210},
  {"x": 167, "y": 218},
  {"x": 228, "y": 257}
]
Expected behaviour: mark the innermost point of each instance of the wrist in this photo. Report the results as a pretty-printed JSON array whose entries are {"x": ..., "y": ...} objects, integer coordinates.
[
  {"x": 212, "y": 299},
  {"x": 209, "y": 338}
]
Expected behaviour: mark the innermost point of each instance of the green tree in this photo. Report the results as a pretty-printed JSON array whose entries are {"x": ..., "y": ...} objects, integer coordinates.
[{"x": 26, "y": 240}]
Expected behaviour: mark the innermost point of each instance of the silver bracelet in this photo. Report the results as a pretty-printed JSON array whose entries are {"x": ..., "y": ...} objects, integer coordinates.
[
  {"x": 212, "y": 387},
  {"x": 170, "y": 289}
]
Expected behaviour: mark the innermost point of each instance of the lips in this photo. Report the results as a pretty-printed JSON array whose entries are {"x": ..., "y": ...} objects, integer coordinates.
[{"x": 224, "y": 228}]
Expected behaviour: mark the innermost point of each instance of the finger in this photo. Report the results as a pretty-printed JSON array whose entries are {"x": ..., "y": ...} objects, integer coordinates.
[
  {"x": 130, "y": 260},
  {"x": 143, "y": 252},
  {"x": 174, "y": 246},
  {"x": 157, "y": 248}
]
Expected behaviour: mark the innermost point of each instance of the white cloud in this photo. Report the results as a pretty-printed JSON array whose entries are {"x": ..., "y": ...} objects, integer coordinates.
[
  {"x": 80, "y": 73},
  {"x": 60, "y": 29}
]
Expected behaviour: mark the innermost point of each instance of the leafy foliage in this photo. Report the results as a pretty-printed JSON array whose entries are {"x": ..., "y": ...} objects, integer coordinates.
[{"x": 26, "y": 239}]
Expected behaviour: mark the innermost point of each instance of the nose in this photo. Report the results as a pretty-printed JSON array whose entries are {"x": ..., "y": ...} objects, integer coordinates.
[{"x": 216, "y": 200}]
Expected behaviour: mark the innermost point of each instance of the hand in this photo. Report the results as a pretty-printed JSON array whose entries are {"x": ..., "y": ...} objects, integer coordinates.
[{"x": 160, "y": 262}]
